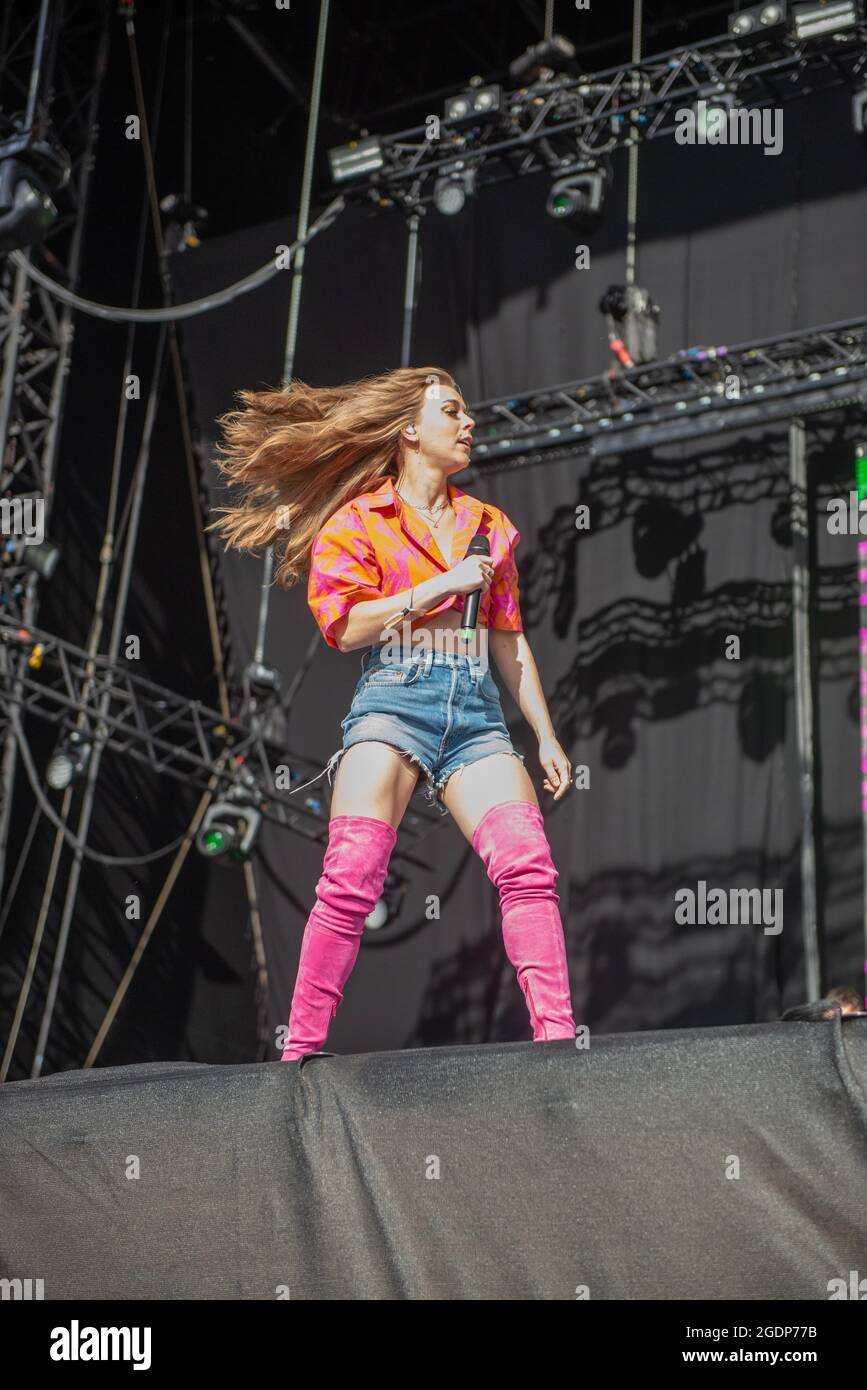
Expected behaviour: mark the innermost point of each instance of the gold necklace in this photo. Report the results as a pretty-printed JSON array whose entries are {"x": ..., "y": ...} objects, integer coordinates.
[{"x": 429, "y": 510}]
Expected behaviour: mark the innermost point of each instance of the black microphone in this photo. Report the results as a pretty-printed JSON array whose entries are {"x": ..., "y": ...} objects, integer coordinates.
[{"x": 479, "y": 545}]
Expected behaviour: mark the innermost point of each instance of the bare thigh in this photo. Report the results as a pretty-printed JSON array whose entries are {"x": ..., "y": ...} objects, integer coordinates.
[
  {"x": 374, "y": 779},
  {"x": 472, "y": 791}
]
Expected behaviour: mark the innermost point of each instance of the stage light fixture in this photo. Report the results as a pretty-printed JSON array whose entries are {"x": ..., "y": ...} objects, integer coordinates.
[
  {"x": 69, "y": 761},
  {"x": 813, "y": 18},
  {"x": 388, "y": 906},
  {"x": 30, "y": 171},
  {"x": 377, "y": 919},
  {"x": 543, "y": 60},
  {"x": 711, "y": 109},
  {"x": 452, "y": 188},
  {"x": 184, "y": 221},
  {"x": 859, "y": 106},
  {"x": 636, "y": 317},
  {"x": 41, "y": 558},
  {"x": 356, "y": 159},
  {"x": 747, "y": 23},
  {"x": 479, "y": 103},
  {"x": 577, "y": 198},
  {"x": 229, "y": 829}
]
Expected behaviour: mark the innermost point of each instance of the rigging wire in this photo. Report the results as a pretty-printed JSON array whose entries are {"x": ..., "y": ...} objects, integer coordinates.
[{"x": 117, "y": 313}]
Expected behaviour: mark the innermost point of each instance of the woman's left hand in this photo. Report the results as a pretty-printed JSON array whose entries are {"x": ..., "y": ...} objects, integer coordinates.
[{"x": 557, "y": 766}]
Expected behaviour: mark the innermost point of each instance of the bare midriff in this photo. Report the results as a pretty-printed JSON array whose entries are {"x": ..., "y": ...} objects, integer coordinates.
[{"x": 440, "y": 633}]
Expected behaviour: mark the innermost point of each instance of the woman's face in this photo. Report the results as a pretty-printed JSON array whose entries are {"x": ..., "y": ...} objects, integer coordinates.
[{"x": 444, "y": 428}]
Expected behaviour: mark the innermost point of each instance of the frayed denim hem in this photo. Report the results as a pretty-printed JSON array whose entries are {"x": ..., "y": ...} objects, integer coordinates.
[
  {"x": 432, "y": 790},
  {"x": 439, "y": 786}
]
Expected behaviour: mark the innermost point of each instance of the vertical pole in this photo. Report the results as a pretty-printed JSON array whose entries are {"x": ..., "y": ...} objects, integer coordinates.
[
  {"x": 295, "y": 292},
  {"x": 409, "y": 289},
  {"x": 861, "y": 483},
  {"x": 804, "y": 700},
  {"x": 632, "y": 166}
]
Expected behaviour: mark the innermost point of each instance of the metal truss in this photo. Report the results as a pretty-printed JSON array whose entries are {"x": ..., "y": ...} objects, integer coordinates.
[
  {"x": 58, "y": 68},
  {"x": 35, "y": 337},
  {"x": 569, "y": 124},
  {"x": 685, "y": 396},
  {"x": 172, "y": 735}
]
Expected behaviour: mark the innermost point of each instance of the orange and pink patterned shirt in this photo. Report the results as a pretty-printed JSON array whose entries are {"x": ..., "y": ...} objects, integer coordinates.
[{"x": 375, "y": 546}]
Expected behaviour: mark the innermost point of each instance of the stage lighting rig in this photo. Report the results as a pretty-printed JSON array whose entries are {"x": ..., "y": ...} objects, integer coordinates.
[
  {"x": 577, "y": 198},
  {"x": 577, "y": 117},
  {"x": 816, "y": 17},
  {"x": 746, "y": 24},
  {"x": 30, "y": 171},
  {"x": 69, "y": 761}
]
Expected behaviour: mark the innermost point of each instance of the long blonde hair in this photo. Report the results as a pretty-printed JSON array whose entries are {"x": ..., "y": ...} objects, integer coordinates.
[{"x": 299, "y": 452}]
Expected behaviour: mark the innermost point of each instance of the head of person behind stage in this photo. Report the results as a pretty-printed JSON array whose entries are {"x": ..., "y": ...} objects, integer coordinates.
[
  {"x": 842, "y": 1000},
  {"x": 297, "y": 454}
]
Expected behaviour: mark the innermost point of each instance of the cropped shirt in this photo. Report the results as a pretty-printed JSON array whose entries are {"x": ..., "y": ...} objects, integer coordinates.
[{"x": 374, "y": 546}]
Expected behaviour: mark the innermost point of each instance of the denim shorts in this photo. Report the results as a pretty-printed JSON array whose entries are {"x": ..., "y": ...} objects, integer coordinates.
[{"x": 441, "y": 708}]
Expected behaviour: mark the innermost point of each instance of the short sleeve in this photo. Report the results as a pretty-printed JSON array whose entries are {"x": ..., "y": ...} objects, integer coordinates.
[
  {"x": 343, "y": 570},
  {"x": 504, "y": 612}
]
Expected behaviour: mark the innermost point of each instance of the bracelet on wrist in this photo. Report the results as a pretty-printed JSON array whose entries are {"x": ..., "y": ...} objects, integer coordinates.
[{"x": 404, "y": 613}]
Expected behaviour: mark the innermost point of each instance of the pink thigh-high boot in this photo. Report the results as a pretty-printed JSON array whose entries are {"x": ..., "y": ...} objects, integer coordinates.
[
  {"x": 511, "y": 841},
  {"x": 353, "y": 873}
]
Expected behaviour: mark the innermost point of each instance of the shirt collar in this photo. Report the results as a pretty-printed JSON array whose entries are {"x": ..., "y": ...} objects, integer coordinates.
[{"x": 469, "y": 514}]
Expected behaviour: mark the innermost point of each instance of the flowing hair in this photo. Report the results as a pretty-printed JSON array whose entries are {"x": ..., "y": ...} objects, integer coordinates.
[{"x": 298, "y": 453}]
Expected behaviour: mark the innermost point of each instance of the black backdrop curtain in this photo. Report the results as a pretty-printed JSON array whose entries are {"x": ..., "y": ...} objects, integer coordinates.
[{"x": 691, "y": 754}]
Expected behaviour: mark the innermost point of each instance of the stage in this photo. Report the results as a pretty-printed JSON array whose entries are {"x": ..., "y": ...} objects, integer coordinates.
[{"x": 700, "y": 1164}]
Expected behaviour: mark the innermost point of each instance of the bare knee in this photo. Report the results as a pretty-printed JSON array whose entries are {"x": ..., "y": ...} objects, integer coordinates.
[{"x": 475, "y": 789}]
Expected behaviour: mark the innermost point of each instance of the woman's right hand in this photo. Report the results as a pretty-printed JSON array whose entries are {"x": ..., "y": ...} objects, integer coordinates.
[{"x": 471, "y": 573}]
